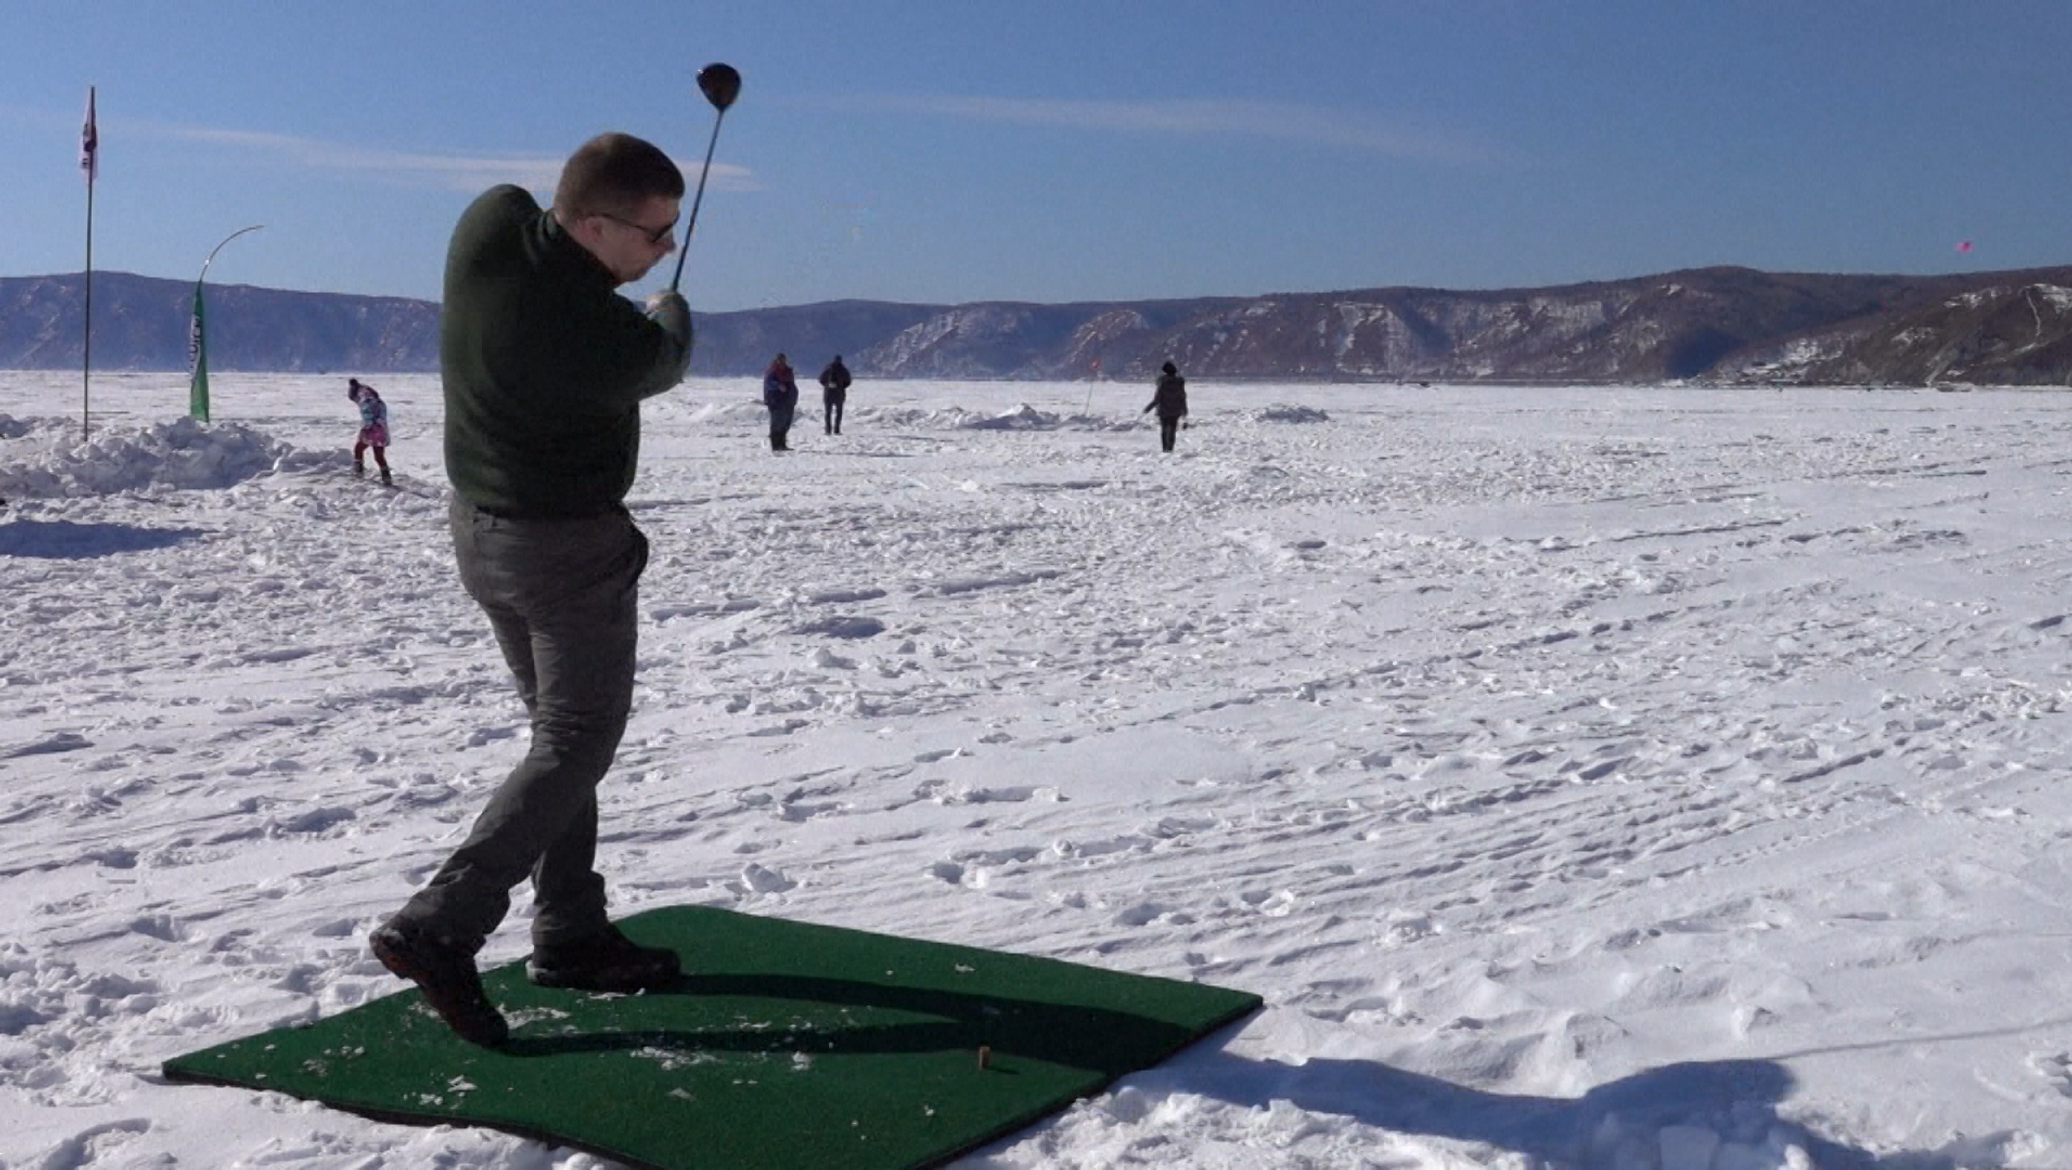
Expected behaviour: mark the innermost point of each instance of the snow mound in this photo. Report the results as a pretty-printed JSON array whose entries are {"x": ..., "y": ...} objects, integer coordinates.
[
  {"x": 744, "y": 412},
  {"x": 1022, "y": 417},
  {"x": 1284, "y": 412},
  {"x": 44, "y": 458}
]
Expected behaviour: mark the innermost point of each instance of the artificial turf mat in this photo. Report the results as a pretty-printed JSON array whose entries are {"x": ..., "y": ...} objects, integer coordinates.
[{"x": 785, "y": 1044}]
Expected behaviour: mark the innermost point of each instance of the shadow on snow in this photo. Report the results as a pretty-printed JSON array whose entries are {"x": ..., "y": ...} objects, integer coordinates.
[
  {"x": 65, "y": 540},
  {"x": 1733, "y": 1100}
]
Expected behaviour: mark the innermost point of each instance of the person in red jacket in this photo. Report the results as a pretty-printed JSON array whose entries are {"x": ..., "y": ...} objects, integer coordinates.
[{"x": 781, "y": 395}]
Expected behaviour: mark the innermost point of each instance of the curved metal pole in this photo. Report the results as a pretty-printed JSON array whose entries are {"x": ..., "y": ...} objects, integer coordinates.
[
  {"x": 219, "y": 247},
  {"x": 197, "y": 338}
]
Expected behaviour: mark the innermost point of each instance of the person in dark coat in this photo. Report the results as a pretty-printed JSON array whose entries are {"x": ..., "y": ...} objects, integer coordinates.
[
  {"x": 1170, "y": 400},
  {"x": 834, "y": 391},
  {"x": 781, "y": 395},
  {"x": 543, "y": 367}
]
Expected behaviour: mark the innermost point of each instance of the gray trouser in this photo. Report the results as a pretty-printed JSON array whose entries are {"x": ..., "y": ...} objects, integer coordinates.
[{"x": 561, "y": 596}]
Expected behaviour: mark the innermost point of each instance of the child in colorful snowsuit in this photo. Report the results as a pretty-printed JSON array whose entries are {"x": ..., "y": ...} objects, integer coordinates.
[{"x": 373, "y": 428}]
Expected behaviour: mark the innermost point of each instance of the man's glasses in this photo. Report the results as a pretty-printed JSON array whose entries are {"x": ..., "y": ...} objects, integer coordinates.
[{"x": 651, "y": 235}]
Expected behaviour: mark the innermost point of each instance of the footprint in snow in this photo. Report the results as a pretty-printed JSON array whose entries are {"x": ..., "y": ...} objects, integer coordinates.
[
  {"x": 90, "y": 1145},
  {"x": 2056, "y": 1070},
  {"x": 1146, "y": 913},
  {"x": 487, "y": 735},
  {"x": 63, "y": 741},
  {"x": 315, "y": 821},
  {"x": 760, "y": 879},
  {"x": 1016, "y": 794},
  {"x": 852, "y": 628},
  {"x": 1272, "y": 903}
]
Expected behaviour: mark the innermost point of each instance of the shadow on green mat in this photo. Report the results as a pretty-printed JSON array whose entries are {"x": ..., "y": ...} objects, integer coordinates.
[{"x": 1110, "y": 1043}]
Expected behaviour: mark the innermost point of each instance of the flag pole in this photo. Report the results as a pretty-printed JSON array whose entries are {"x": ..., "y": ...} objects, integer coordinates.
[
  {"x": 89, "y": 151},
  {"x": 86, "y": 356}
]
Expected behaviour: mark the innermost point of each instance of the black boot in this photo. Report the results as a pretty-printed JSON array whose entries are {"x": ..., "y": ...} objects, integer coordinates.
[
  {"x": 447, "y": 976},
  {"x": 605, "y": 961}
]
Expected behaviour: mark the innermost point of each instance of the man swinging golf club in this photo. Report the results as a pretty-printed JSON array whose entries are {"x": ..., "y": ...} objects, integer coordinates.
[{"x": 545, "y": 366}]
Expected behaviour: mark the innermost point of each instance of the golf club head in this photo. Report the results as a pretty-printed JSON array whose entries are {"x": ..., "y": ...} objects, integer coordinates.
[{"x": 721, "y": 84}]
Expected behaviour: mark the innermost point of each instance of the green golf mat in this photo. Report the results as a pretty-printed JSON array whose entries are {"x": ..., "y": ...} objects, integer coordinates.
[{"x": 785, "y": 1044}]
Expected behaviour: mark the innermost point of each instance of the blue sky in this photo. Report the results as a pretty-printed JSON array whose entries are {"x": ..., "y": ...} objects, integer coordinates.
[{"x": 941, "y": 152}]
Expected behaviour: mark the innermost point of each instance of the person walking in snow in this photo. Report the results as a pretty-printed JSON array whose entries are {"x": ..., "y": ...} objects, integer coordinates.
[
  {"x": 374, "y": 434},
  {"x": 1170, "y": 400},
  {"x": 544, "y": 367},
  {"x": 834, "y": 392},
  {"x": 781, "y": 395}
]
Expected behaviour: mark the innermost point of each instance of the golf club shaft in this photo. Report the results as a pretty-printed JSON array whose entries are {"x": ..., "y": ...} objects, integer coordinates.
[{"x": 697, "y": 199}]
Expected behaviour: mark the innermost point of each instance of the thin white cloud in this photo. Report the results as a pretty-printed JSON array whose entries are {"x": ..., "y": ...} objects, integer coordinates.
[
  {"x": 1284, "y": 121},
  {"x": 464, "y": 172},
  {"x": 458, "y": 171}
]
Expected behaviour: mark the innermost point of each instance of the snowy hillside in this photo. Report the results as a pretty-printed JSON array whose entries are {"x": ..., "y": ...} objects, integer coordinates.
[{"x": 1720, "y": 324}]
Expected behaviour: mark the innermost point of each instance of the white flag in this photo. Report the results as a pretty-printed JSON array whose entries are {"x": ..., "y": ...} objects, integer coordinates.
[{"x": 89, "y": 141}]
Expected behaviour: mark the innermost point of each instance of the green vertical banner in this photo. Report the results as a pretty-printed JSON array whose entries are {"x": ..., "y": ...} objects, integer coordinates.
[{"x": 197, "y": 362}]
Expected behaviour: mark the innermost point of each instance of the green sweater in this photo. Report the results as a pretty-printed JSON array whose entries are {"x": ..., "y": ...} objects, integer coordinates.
[{"x": 544, "y": 365}]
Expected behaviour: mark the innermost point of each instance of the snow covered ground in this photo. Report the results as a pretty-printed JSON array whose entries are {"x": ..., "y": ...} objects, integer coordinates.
[{"x": 1627, "y": 778}]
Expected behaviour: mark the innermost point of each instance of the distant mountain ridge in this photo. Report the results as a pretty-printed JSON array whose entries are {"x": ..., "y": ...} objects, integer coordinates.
[
  {"x": 140, "y": 323},
  {"x": 1719, "y": 324}
]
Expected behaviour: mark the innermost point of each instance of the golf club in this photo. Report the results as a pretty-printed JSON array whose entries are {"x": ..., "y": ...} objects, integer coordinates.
[{"x": 721, "y": 84}]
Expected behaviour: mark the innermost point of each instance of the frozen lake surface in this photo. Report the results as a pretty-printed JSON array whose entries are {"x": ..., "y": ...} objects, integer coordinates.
[{"x": 1622, "y": 778}]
